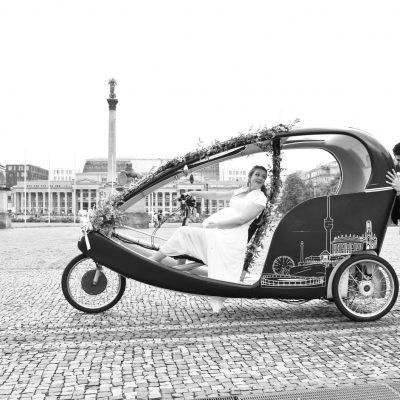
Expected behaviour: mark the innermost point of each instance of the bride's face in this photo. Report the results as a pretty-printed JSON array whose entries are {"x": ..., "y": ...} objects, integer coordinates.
[{"x": 257, "y": 179}]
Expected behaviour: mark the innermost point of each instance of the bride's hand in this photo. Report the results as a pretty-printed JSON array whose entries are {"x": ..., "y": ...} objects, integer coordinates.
[{"x": 211, "y": 225}]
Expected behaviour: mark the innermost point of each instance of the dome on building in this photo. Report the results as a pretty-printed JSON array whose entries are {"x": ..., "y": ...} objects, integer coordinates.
[{"x": 348, "y": 239}]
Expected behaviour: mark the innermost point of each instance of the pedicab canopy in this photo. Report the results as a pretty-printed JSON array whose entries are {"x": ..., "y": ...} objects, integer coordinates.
[{"x": 363, "y": 161}]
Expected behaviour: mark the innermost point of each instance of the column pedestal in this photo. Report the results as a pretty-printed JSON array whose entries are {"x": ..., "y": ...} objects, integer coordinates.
[{"x": 5, "y": 221}]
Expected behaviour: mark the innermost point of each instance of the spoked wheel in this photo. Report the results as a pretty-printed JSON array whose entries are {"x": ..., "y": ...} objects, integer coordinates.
[
  {"x": 90, "y": 287},
  {"x": 365, "y": 288}
]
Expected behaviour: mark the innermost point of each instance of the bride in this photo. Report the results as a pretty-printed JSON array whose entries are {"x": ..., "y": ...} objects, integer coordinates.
[{"x": 222, "y": 241}]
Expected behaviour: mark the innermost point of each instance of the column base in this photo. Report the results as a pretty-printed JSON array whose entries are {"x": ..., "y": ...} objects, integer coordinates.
[{"x": 5, "y": 220}]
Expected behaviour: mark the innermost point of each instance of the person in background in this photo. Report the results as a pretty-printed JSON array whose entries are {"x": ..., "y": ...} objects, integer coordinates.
[
  {"x": 155, "y": 219},
  {"x": 393, "y": 180}
]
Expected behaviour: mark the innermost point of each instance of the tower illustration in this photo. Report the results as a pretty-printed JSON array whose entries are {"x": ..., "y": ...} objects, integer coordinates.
[
  {"x": 301, "y": 253},
  {"x": 328, "y": 224}
]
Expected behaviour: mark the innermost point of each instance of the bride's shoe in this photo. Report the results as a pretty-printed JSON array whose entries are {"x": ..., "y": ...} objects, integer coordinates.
[{"x": 216, "y": 303}]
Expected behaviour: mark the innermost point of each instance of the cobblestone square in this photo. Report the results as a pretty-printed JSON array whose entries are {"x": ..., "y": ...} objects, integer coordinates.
[{"x": 158, "y": 344}]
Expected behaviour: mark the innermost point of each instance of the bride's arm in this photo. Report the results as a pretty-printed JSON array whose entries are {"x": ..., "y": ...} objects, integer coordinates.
[
  {"x": 247, "y": 215},
  {"x": 211, "y": 194}
]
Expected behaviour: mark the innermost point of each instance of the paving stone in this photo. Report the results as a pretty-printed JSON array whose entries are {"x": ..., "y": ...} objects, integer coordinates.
[{"x": 160, "y": 343}]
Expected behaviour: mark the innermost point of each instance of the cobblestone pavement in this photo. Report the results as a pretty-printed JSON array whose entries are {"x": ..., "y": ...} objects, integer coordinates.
[{"x": 159, "y": 344}]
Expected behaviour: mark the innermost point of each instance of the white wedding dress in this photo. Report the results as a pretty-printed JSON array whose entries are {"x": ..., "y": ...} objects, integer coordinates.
[{"x": 223, "y": 250}]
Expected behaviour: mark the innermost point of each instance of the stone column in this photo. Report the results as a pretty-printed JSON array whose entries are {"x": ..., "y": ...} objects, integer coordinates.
[
  {"x": 81, "y": 192},
  {"x": 58, "y": 203},
  {"x": 74, "y": 202},
  {"x": 30, "y": 201},
  {"x": 112, "y": 117},
  {"x": 66, "y": 203},
  {"x": 89, "y": 198},
  {"x": 37, "y": 202}
]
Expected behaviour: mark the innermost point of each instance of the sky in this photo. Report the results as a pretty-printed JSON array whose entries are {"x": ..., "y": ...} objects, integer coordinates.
[{"x": 186, "y": 70}]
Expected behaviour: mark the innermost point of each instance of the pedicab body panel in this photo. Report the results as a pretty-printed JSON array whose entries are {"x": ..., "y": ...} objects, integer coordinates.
[
  {"x": 311, "y": 241},
  {"x": 319, "y": 233}
]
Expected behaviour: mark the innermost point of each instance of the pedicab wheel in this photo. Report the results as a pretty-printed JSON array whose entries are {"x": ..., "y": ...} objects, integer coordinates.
[
  {"x": 365, "y": 287},
  {"x": 90, "y": 287}
]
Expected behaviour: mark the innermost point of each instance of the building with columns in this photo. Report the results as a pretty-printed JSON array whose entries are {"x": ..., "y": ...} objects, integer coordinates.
[
  {"x": 83, "y": 193},
  {"x": 42, "y": 197}
]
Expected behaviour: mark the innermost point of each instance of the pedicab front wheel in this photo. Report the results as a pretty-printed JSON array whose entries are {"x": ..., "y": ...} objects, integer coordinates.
[
  {"x": 91, "y": 287},
  {"x": 365, "y": 288}
]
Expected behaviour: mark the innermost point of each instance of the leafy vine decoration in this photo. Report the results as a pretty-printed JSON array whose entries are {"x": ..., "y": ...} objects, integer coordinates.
[{"x": 107, "y": 215}]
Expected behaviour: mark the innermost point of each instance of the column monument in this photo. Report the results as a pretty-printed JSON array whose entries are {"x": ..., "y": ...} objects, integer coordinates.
[
  {"x": 136, "y": 215},
  {"x": 112, "y": 107}
]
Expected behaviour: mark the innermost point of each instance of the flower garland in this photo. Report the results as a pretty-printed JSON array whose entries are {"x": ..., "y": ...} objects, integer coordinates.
[
  {"x": 217, "y": 147},
  {"x": 264, "y": 221},
  {"x": 107, "y": 214}
]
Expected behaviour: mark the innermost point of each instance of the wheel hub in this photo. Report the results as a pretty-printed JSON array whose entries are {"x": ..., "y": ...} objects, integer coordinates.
[
  {"x": 89, "y": 287},
  {"x": 366, "y": 288}
]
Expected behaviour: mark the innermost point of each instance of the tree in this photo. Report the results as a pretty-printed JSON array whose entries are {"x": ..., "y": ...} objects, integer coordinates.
[{"x": 294, "y": 192}]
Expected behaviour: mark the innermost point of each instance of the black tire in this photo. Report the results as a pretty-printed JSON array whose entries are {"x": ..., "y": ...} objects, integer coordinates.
[
  {"x": 80, "y": 291},
  {"x": 365, "y": 288}
]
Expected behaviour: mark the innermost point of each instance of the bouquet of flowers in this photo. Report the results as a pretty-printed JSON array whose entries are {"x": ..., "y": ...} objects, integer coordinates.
[{"x": 107, "y": 215}]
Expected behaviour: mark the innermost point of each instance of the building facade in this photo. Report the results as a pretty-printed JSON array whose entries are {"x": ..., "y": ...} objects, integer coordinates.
[
  {"x": 322, "y": 174},
  {"x": 61, "y": 174},
  {"x": 16, "y": 172},
  {"x": 66, "y": 197}
]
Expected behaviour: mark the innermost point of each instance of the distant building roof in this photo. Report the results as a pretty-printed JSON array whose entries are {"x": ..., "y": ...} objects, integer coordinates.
[{"x": 140, "y": 165}]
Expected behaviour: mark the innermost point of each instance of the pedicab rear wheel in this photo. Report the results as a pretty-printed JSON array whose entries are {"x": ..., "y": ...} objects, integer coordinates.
[
  {"x": 91, "y": 287},
  {"x": 365, "y": 288}
]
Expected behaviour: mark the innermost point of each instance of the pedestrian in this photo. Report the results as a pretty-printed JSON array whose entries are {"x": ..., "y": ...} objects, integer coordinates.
[{"x": 155, "y": 219}]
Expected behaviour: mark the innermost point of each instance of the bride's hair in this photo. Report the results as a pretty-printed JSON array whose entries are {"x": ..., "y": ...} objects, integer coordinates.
[{"x": 251, "y": 172}]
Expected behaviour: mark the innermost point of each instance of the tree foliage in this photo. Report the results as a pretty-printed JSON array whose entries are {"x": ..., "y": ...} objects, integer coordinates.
[{"x": 295, "y": 191}]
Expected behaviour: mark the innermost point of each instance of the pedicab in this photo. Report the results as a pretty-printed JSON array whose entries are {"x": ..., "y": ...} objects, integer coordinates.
[{"x": 325, "y": 248}]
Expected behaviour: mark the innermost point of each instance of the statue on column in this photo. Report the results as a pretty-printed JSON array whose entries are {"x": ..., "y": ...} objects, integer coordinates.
[{"x": 112, "y": 82}]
